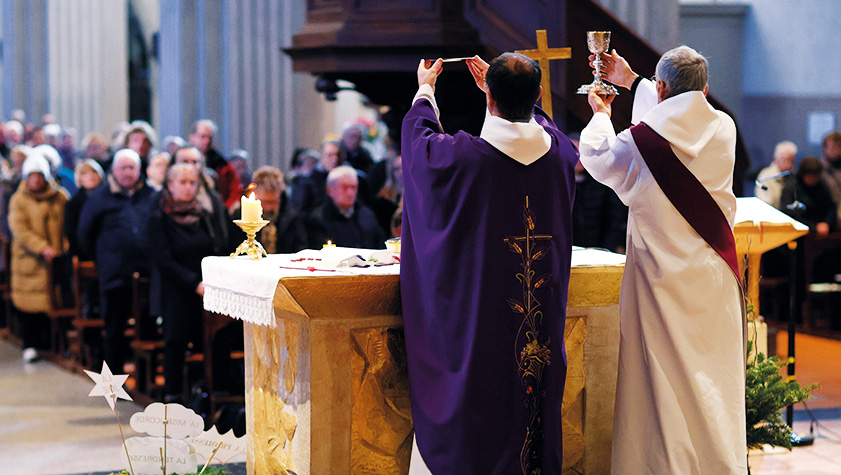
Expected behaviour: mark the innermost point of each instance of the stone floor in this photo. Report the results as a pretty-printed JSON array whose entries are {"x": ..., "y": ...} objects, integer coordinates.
[{"x": 49, "y": 425}]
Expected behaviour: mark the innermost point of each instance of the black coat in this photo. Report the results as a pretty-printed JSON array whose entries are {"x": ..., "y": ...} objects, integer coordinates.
[
  {"x": 112, "y": 229},
  {"x": 360, "y": 230},
  {"x": 177, "y": 255},
  {"x": 290, "y": 226},
  {"x": 819, "y": 207},
  {"x": 72, "y": 214}
]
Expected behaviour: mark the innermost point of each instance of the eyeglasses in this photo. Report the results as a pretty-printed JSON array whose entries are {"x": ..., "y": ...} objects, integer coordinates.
[{"x": 654, "y": 78}]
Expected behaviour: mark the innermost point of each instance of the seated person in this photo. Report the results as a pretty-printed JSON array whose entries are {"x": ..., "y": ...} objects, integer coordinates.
[
  {"x": 341, "y": 218},
  {"x": 809, "y": 189},
  {"x": 770, "y": 189}
]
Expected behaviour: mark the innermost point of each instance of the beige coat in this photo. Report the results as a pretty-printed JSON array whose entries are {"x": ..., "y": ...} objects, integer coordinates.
[{"x": 36, "y": 221}]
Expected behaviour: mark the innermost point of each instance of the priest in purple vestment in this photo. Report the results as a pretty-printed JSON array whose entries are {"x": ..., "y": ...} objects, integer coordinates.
[{"x": 484, "y": 272}]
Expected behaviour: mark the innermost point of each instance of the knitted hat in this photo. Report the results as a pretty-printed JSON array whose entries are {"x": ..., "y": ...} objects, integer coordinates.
[
  {"x": 36, "y": 163},
  {"x": 50, "y": 153}
]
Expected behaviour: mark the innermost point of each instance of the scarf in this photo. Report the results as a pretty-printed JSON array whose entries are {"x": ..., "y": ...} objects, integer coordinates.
[{"x": 186, "y": 213}]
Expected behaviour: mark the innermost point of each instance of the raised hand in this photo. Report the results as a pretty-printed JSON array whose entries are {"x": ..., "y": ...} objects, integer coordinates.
[
  {"x": 478, "y": 68},
  {"x": 615, "y": 69},
  {"x": 600, "y": 103},
  {"x": 429, "y": 75}
]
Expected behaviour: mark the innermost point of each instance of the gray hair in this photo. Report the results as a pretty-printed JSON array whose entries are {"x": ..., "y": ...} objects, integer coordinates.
[
  {"x": 126, "y": 154},
  {"x": 784, "y": 148},
  {"x": 341, "y": 172},
  {"x": 191, "y": 149},
  {"x": 682, "y": 69},
  {"x": 207, "y": 123}
]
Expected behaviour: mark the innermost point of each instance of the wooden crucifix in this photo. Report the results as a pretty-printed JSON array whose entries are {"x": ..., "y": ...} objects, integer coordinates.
[{"x": 542, "y": 55}]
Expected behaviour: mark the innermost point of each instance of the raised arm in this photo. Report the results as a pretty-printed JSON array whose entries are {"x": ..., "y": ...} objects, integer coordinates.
[{"x": 616, "y": 69}]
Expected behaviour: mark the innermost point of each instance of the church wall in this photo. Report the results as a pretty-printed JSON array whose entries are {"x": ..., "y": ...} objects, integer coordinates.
[
  {"x": 654, "y": 20},
  {"x": 789, "y": 71},
  {"x": 712, "y": 30}
]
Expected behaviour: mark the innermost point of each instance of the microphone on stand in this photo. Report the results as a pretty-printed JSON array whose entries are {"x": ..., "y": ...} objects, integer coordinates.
[{"x": 760, "y": 182}]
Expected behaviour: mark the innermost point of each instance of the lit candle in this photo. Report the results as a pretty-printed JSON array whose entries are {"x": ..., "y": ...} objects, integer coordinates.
[
  {"x": 329, "y": 244},
  {"x": 252, "y": 210}
]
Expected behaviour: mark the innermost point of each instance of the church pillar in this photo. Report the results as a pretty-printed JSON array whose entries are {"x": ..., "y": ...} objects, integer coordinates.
[
  {"x": 25, "y": 53},
  {"x": 223, "y": 61},
  {"x": 88, "y": 70}
]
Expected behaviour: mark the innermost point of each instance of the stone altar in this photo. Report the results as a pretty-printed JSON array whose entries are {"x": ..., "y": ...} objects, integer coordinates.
[{"x": 326, "y": 384}]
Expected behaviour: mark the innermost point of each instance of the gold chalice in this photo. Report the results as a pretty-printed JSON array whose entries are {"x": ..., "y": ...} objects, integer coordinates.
[
  {"x": 250, "y": 246},
  {"x": 598, "y": 42}
]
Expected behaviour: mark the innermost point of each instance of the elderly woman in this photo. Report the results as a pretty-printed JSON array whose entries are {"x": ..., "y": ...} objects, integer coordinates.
[
  {"x": 36, "y": 216},
  {"x": 88, "y": 175},
  {"x": 184, "y": 232},
  {"x": 112, "y": 230}
]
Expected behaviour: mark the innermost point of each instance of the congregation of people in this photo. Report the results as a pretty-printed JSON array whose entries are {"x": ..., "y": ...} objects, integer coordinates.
[
  {"x": 136, "y": 206},
  {"x": 809, "y": 191}
]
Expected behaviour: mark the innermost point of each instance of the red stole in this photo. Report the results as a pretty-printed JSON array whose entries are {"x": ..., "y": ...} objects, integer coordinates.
[{"x": 687, "y": 194}]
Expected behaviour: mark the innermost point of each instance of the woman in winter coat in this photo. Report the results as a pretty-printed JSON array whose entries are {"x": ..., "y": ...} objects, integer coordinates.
[
  {"x": 184, "y": 232},
  {"x": 36, "y": 220}
]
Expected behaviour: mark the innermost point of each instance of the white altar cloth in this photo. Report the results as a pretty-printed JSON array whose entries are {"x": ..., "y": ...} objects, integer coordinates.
[{"x": 244, "y": 288}]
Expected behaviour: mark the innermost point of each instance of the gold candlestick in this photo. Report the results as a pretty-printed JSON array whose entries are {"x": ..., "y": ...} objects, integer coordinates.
[{"x": 250, "y": 246}]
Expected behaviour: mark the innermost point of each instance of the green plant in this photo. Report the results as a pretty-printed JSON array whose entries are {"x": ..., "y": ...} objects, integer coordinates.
[{"x": 766, "y": 394}]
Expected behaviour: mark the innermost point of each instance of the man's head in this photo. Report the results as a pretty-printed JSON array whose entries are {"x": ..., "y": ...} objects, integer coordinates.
[
  {"x": 331, "y": 156},
  {"x": 680, "y": 70},
  {"x": 126, "y": 168},
  {"x": 138, "y": 139},
  {"x": 190, "y": 156},
  {"x": 832, "y": 148},
  {"x": 342, "y": 186},
  {"x": 352, "y": 137},
  {"x": 269, "y": 187},
  {"x": 202, "y": 135},
  {"x": 810, "y": 170},
  {"x": 513, "y": 86},
  {"x": 784, "y": 154}
]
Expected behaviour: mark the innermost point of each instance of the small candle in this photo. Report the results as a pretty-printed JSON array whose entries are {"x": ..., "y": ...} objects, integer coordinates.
[
  {"x": 252, "y": 210},
  {"x": 329, "y": 244}
]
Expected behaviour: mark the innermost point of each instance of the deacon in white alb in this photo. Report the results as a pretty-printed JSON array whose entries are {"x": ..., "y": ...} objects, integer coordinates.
[{"x": 680, "y": 397}]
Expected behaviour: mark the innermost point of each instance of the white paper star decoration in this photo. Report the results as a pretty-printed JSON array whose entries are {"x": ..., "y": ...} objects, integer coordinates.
[{"x": 108, "y": 385}]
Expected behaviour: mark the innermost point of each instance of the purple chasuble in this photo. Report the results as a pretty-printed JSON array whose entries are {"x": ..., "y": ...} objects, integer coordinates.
[{"x": 484, "y": 273}]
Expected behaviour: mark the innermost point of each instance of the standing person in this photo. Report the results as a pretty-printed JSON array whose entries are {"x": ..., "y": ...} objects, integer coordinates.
[
  {"x": 310, "y": 191},
  {"x": 184, "y": 233},
  {"x": 88, "y": 176},
  {"x": 342, "y": 218},
  {"x": 227, "y": 182},
  {"x": 286, "y": 232},
  {"x": 36, "y": 218},
  {"x": 112, "y": 230},
  {"x": 485, "y": 264},
  {"x": 680, "y": 395}
]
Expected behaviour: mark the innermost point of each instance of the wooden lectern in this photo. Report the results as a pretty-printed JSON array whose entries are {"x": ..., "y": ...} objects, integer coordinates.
[
  {"x": 327, "y": 390},
  {"x": 759, "y": 228}
]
